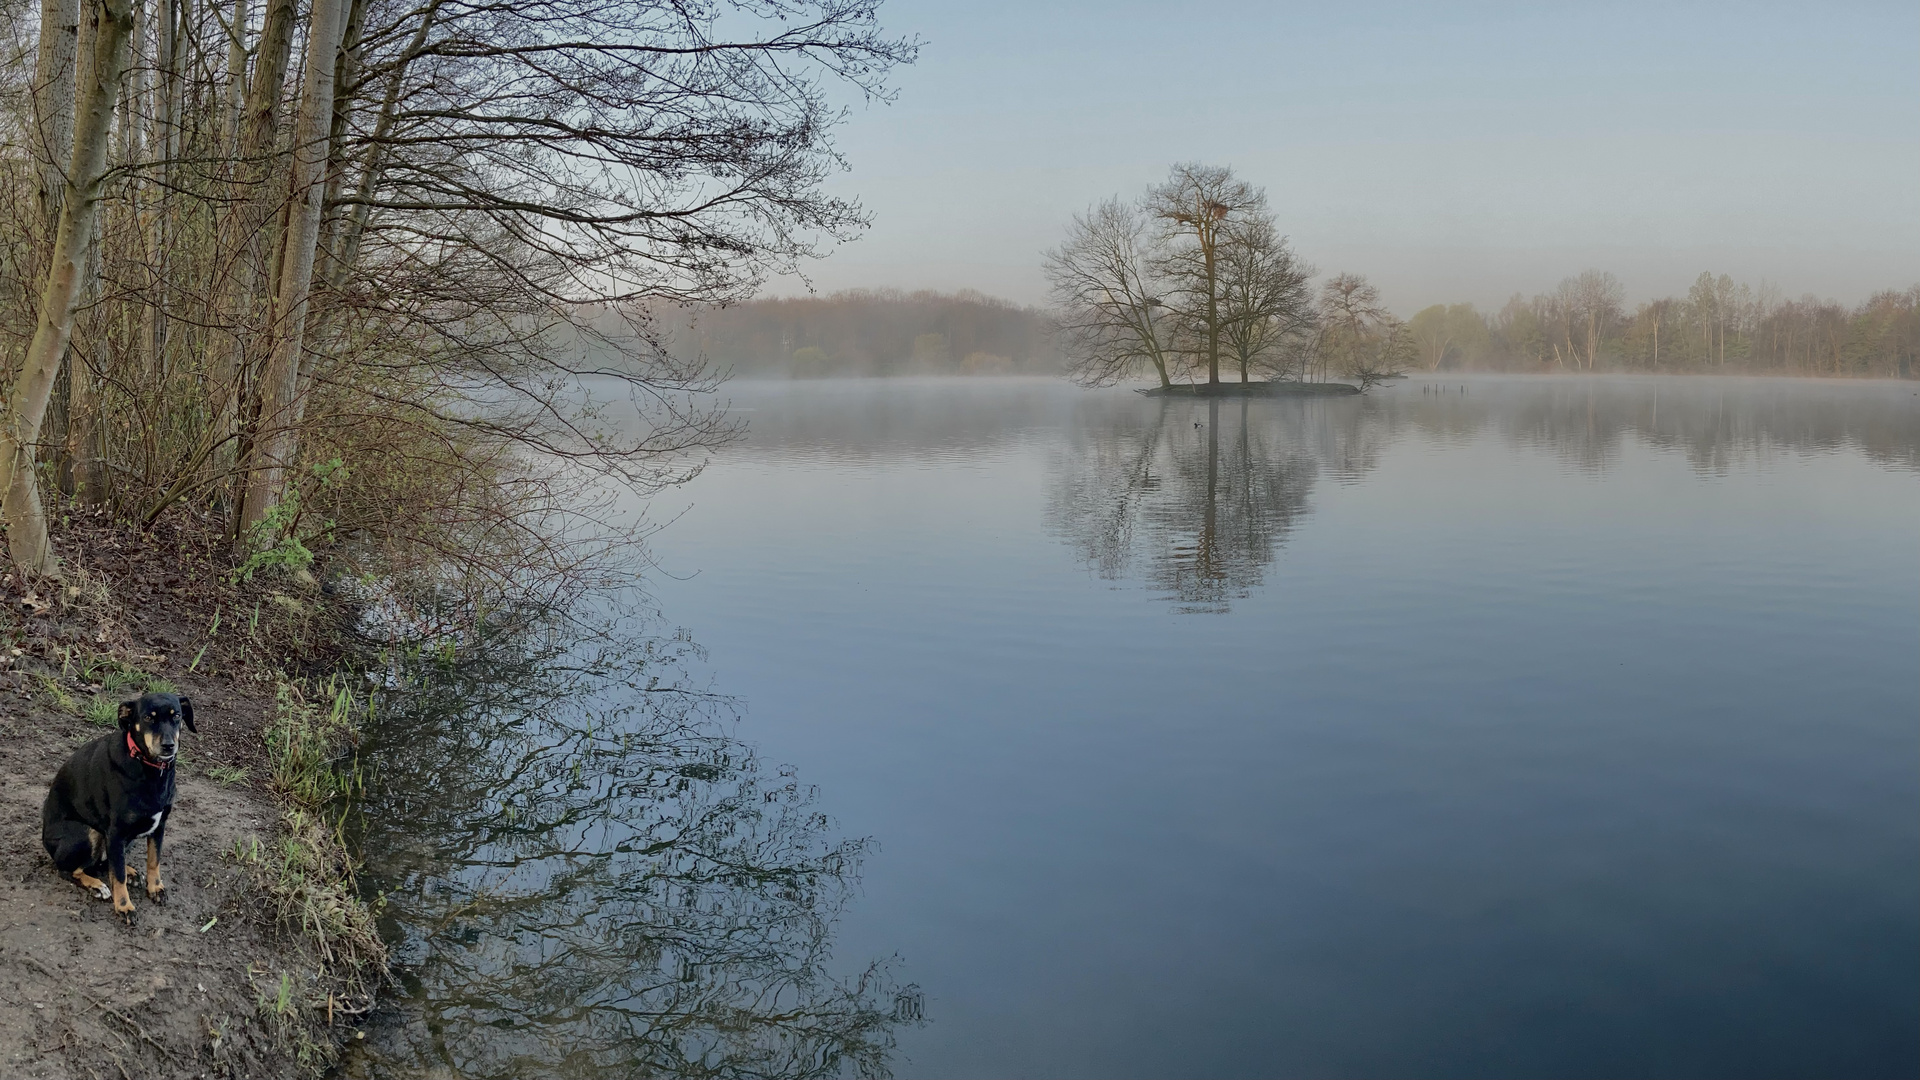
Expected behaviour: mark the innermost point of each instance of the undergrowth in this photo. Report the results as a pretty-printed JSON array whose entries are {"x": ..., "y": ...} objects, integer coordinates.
[{"x": 306, "y": 871}]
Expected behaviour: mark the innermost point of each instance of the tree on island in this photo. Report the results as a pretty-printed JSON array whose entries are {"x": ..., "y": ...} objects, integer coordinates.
[
  {"x": 1193, "y": 269},
  {"x": 1358, "y": 338},
  {"x": 1203, "y": 210},
  {"x": 1266, "y": 304},
  {"x": 1110, "y": 320}
]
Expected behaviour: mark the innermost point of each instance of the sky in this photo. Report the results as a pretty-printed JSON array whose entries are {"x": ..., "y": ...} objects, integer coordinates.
[{"x": 1450, "y": 152}]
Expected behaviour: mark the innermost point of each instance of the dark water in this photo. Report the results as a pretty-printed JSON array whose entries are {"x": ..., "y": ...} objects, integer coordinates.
[{"x": 1547, "y": 727}]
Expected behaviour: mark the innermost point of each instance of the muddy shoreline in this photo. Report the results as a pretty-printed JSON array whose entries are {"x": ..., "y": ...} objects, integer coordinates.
[{"x": 210, "y": 983}]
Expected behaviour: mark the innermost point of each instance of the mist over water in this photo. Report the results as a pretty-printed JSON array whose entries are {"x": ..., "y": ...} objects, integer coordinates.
[{"x": 1546, "y": 726}]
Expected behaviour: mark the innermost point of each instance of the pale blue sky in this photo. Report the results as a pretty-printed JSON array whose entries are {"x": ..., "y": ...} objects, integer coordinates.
[{"x": 1451, "y": 152}]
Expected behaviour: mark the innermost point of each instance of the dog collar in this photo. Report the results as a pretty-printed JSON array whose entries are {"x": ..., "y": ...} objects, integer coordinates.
[{"x": 134, "y": 749}]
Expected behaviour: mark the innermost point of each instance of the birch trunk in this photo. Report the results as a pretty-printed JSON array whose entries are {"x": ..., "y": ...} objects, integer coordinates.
[
  {"x": 53, "y": 82},
  {"x": 86, "y": 453},
  {"x": 256, "y": 130},
  {"x": 277, "y": 441},
  {"x": 94, "y": 105},
  {"x": 235, "y": 98}
]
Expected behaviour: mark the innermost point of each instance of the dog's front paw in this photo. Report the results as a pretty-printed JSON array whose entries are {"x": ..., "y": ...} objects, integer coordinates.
[
  {"x": 157, "y": 892},
  {"x": 101, "y": 892},
  {"x": 125, "y": 912}
]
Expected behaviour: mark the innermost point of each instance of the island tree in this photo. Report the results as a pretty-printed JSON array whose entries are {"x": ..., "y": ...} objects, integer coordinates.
[
  {"x": 1359, "y": 339},
  {"x": 1200, "y": 208},
  {"x": 1111, "y": 318},
  {"x": 1265, "y": 303},
  {"x": 1194, "y": 268}
]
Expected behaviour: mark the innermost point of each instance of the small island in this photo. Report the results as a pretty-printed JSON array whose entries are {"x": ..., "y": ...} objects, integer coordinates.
[
  {"x": 1196, "y": 275},
  {"x": 1277, "y": 388}
]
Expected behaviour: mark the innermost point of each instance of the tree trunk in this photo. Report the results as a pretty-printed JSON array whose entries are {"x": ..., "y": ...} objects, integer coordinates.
[
  {"x": 157, "y": 219},
  {"x": 1213, "y": 312},
  {"x": 94, "y": 104},
  {"x": 1160, "y": 368},
  {"x": 256, "y": 130},
  {"x": 346, "y": 70},
  {"x": 234, "y": 100},
  {"x": 277, "y": 440},
  {"x": 86, "y": 452},
  {"x": 56, "y": 68},
  {"x": 53, "y": 83}
]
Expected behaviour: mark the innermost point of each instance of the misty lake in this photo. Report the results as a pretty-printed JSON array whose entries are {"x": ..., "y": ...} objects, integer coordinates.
[{"x": 1498, "y": 727}]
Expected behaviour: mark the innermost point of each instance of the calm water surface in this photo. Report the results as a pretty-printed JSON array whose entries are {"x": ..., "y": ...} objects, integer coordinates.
[{"x": 1523, "y": 727}]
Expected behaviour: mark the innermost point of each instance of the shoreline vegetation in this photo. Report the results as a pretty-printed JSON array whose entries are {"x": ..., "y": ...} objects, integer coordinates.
[
  {"x": 264, "y": 956},
  {"x": 300, "y": 358}
]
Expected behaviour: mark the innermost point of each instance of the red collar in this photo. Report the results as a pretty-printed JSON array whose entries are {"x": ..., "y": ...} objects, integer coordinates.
[{"x": 143, "y": 759}]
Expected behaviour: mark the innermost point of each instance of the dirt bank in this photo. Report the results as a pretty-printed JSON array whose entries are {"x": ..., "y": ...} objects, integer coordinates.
[{"x": 209, "y": 983}]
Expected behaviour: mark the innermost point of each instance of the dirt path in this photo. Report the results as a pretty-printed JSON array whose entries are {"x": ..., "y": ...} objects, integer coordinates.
[
  {"x": 205, "y": 985},
  {"x": 82, "y": 994}
]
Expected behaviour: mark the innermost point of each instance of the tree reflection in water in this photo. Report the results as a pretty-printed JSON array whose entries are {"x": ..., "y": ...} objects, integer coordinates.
[
  {"x": 586, "y": 877},
  {"x": 1196, "y": 496}
]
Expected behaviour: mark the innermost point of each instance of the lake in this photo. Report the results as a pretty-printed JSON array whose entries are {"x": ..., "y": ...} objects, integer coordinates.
[{"x": 1532, "y": 726}]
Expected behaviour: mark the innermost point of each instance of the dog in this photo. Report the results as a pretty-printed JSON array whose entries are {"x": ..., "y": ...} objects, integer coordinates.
[{"x": 113, "y": 791}]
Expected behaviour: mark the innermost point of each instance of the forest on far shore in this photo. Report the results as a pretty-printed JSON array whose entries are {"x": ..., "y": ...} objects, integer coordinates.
[
  {"x": 865, "y": 332},
  {"x": 1719, "y": 327}
]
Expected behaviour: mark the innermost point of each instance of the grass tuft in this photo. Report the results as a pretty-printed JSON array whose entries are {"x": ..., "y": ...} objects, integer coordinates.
[
  {"x": 50, "y": 685},
  {"x": 307, "y": 871},
  {"x": 102, "y": 710},
  {"x": 119, "y": 680}
]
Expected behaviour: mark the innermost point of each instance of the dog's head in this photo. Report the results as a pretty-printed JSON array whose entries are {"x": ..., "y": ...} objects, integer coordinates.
[{"x": 154, "y": 723}]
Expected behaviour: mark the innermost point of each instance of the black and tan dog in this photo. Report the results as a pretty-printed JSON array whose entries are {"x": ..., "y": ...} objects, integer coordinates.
[{"x": 113, "y": 791}]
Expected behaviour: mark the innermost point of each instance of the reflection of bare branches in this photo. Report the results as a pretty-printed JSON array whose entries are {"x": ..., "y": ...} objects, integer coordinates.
[
  {"x": 589, "y": 880},
  {"x": 1195, "y": 497},
  {"x": 1199, "y": 495}
]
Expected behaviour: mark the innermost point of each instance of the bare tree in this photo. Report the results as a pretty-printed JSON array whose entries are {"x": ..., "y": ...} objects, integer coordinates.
[
  {"x": 372, "y": 292},
  {"x": 1110, "y": 319},
  {"x": 277, "y": 436},
  {"x": 1352, "y": 323},
  {"x": 1265, "y": 302},
  {"x": 1196, "y": 207},
  {"x": 97, "y": 90}
]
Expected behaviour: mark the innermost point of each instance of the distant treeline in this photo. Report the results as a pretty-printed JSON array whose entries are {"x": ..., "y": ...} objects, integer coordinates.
[
  {"x": 1718, "y": 326},
  {"x": 865, "y": 332}
]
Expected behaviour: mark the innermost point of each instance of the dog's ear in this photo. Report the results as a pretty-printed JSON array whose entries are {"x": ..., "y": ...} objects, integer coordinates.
[
  {"x": 128, "y": 710},
  {"x": 186, "y": 714}
]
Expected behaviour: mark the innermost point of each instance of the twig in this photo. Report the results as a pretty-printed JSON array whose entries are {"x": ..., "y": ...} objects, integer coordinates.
[
  {"x": 40, "y": 967},
  {"x": 137, "y": 1029}
]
